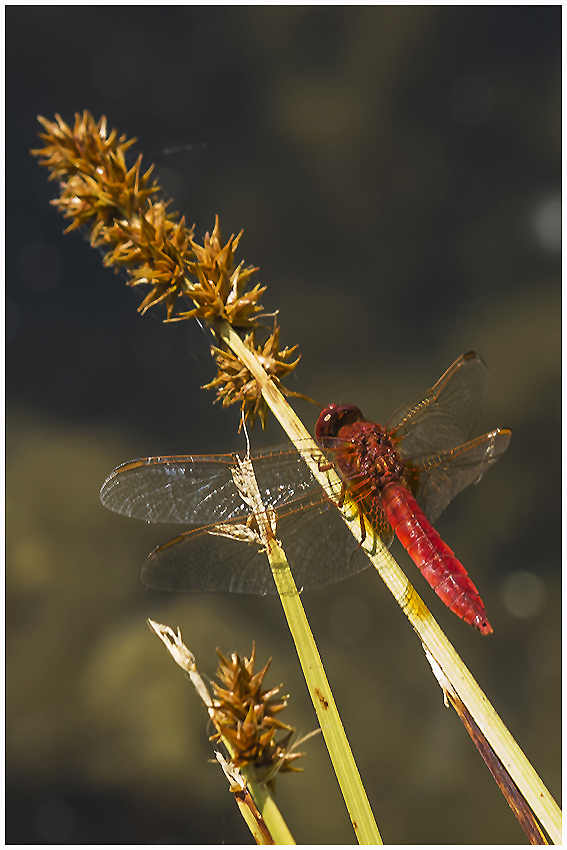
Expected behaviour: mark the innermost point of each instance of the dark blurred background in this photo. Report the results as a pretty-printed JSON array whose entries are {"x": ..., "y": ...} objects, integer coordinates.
[{"x": 396, "y": 170}]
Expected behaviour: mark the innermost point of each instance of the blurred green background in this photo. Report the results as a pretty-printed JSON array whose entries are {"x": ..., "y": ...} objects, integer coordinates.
[{"x": 396, "y": 170}]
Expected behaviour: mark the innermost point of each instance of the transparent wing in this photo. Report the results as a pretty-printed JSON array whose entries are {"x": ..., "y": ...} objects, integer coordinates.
[
  {"x": 436, "y": 479},
  {"x": 445, "y": 416},
  {"x": 199, "y": 489},
  {"x": 319, "y": 546}
]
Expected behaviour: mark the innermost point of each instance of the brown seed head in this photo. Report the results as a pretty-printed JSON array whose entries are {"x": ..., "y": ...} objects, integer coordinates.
[
  {"x": 246, "y": 716},
  {"x": 234, "y": 383},
  {"x": 120, "y": 208}
]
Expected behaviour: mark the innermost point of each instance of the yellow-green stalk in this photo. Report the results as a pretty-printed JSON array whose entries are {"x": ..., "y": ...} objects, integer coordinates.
[{"x": 338, "y": 746}]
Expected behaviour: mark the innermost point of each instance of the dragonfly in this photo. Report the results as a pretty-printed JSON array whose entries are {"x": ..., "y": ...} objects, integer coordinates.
[{"x": 401, "y": 476}]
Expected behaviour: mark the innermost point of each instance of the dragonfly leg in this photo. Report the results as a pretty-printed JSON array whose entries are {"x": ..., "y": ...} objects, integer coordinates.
[
  {"x": 362, "y": 526},
  {"x": 323, "y": 467},
  {"x": 341, "y": 502}
]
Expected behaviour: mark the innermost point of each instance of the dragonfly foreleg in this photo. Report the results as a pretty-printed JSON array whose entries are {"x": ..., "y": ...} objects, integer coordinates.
[
  {"x": 341, "y": 501},
  {"x": 340, "y": 504},
  {"x": 362, "y": 525}
]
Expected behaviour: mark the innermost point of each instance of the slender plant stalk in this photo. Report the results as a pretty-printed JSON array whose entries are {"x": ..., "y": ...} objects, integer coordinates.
[
  {"x": 342, "y": 759},
  {"x": 423, "y": 622},
  {"x": 268, "y": 809},
  {"x": 260, "y": 837},
  {"x": 508, "y": 787},
  {"x": 320, "y": 691},
  {"x": 239, "y": 786}
]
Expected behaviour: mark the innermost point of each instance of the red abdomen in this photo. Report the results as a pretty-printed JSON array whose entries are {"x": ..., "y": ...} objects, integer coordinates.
[{"x": 433, "y": 557}]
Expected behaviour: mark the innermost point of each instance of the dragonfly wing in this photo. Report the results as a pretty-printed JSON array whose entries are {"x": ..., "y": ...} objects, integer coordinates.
[
  {"x": 283, "y": 476},
  {"x": 446, "y": 415},
  {"x": 319, "y": 546},
  {"x": 185, "y": 489},
  {"x": 199, "y": 562},
  {"x": 438, "y": 478},
  {"x": 199, "y": 489}
]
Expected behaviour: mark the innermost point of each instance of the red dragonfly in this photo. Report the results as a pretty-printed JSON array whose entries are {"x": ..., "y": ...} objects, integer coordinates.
[{"x": 402, "y": 476}]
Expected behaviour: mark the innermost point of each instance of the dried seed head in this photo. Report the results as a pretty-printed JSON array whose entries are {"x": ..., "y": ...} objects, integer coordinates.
[
  {"x": 98, "y": 191},
  {"x": 219, "y": 289},
  {"x": 122, "y": 212},
  {"x": 246, "y": 716},
  {"x": 96, "y": 184},
  {"x": 234, "y": 383}
]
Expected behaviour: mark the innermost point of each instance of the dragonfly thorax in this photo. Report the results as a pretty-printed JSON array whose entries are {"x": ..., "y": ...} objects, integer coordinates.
[
  {"x": 367, "y": 457},
  {"x": 363, "y": 450}
]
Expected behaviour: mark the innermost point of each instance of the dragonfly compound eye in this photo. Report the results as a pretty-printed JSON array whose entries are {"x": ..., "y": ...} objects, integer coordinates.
[{"x": 333, "y": 418}]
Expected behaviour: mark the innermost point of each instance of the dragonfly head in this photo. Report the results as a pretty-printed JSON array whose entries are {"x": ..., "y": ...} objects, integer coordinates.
[{"x": 332, "y": 419}]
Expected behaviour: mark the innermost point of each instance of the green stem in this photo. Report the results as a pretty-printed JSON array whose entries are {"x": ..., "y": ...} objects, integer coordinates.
[
  {"x": 331, "y": 726},
  {"x": 268, "y": 809}
]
